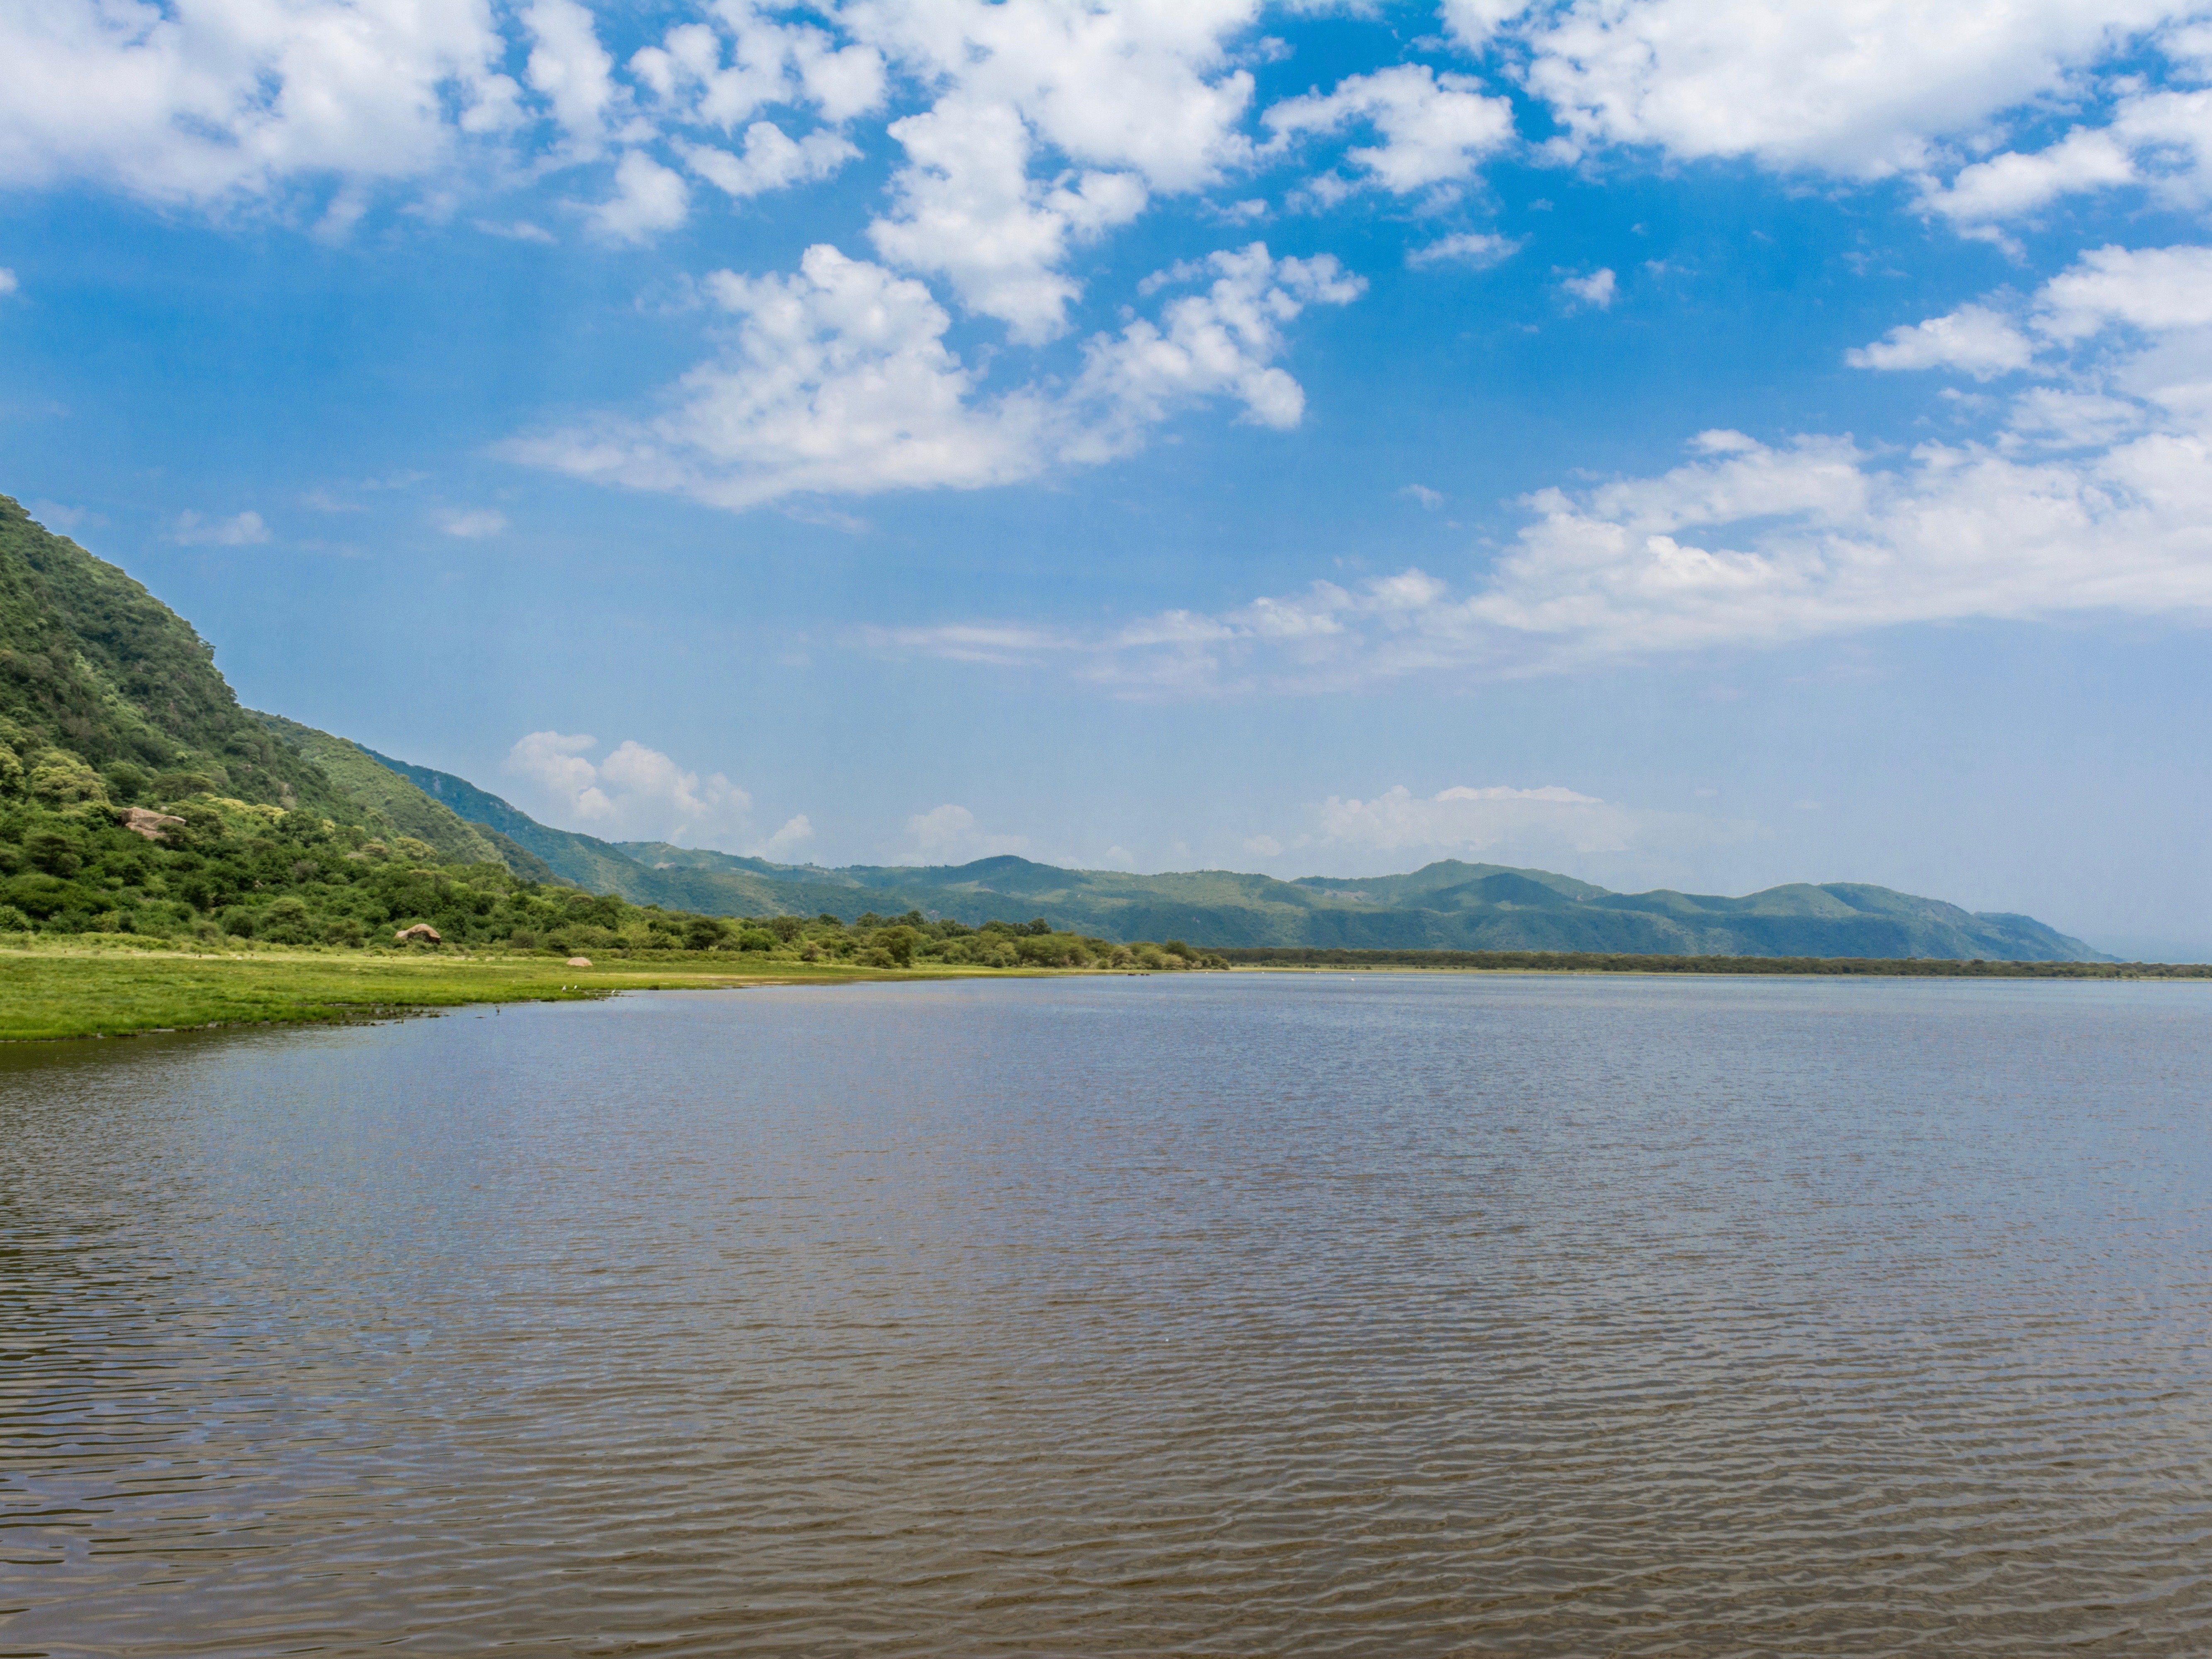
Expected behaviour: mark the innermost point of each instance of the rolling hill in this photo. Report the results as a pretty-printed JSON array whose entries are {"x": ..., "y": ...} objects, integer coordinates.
[
  {"x": 1447, "y": 905},
  {"x": 108, "y": 697}
]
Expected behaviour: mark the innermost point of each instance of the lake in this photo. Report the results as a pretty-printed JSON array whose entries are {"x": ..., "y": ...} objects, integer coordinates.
[{"x": 1363, "y": 1314}]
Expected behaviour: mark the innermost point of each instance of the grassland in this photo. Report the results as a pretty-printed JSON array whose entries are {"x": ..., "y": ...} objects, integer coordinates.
[{"x": 84, "y": 989}]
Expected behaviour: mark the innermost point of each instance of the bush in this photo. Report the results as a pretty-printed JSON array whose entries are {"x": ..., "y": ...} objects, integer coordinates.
[
  {"x": 54, "y": 853},
  {"x": 13, "y": 921}
]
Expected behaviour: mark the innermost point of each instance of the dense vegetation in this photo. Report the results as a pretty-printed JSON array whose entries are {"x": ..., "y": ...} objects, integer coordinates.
[
  {"x": 215, "y": 869},
  {"x": 109, "y": 698},
  {"x": 1447, "y": 905},
  {"x": 1583, "y": 961}
]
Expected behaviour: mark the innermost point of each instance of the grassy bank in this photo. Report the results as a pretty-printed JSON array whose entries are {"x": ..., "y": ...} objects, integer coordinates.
[
  {"x": 1580, "y": 962},
  {"x": 82, "y": 990}
]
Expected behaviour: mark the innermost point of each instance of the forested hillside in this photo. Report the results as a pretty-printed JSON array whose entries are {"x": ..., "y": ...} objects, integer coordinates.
[
  {"x": 110, "y": 702},
  {"x": 137, "y": 797}
]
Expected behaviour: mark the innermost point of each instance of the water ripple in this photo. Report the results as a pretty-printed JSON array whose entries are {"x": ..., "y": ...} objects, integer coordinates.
[{"x": 1326, "y": 1315}]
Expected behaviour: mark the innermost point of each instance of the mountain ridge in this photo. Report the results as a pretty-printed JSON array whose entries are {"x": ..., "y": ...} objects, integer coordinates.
[
  {"x": 1446, "y": 905},
  {"x": 108, "y": 697}
]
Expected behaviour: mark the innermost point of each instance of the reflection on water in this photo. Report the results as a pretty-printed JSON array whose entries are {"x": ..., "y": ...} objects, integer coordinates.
[{"x": 1359, "y": 1315}]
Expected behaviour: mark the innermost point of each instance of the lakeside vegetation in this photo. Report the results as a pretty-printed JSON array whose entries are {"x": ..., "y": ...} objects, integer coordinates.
[
  {"x": 114, "y": 987},
  {"x": 1580, "y": 962}
]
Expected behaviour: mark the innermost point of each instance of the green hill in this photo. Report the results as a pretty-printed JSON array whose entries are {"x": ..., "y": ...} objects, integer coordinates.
[
  {"x": 109, "y": 700},
  {"x": 1445, "y": 906}
]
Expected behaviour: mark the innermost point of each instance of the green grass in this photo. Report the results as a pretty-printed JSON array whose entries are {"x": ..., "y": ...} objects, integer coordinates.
[{"x": 83, "y": 991}]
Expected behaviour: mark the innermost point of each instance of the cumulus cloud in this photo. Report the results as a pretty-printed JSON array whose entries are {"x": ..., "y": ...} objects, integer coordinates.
[
  {"x": 2095, "y": 497},
  {"x": 649, "y": 199},
  {"x": 569, "y": 66},
  {"x": 948, "y": 835},
  {"x": 240, "y": 529},
  {"x": 1472, "y": 820},
  {"x": 790, "y": 838},
  {"x": 636, "y": 793},
  {"x": 472, "y": 523},
  {"x": 770, "y": 160},
  {"x": 1548, "y": 826},
  {"x": 969, "y": 211},
  {"x": 2160, "y": 139},
  {"x": 1974, "y": 338},
  {"x": 1862, "y": 87},
  {"x": 1595, "y": 290},
  {"x": 195, "y": 102},
  {"x": 1480, "y": 249},
  {"x": 1221, "y": 343},
  {"x": 1137, "y": 101},
  {"x": 1434, "y": 129},
  {"x": 2154, "y": 289},
  {"x": 838, "y": 380}
]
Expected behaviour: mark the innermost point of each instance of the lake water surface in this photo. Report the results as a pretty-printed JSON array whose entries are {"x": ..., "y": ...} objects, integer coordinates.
[{"x": 1364, "y": 1314}]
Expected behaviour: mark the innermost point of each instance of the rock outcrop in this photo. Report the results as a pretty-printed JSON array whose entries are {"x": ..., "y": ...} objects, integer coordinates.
[{"x": 155, "y": 826}]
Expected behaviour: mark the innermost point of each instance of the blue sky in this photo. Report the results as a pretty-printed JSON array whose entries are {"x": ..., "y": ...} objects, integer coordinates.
[{"x": 1703, "y": 443}]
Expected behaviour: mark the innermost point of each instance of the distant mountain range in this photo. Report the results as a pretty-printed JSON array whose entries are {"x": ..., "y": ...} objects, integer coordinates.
[
  {"x": 94, "y": 667},
  {"x": 1447, "y": 905}
]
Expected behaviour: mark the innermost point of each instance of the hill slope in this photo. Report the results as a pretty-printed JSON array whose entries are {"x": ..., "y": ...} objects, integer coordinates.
[
  {"x": 94, "y": 667},
  {"x": 108, "y": 697},
  {"x": 1445, "y": 906}
]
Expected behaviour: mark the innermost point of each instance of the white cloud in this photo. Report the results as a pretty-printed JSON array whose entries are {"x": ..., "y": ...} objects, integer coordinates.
[
  {"x": 2157, "y": 291},
  {"x": 1857, "y": 87},
  {"x": 1482, "y": 821},
  {"x": 636, "y": 793},
  {"x": 1972, "y": 338},
  {"x": 1745, "y": 545},
  {"x": 649, "y": 199},
  {"x": 194, "y": 102},
  {"x": 1477, "y": 248},
  {"x": 2160, "y": 139},
  {"x": 2006, "y": 186},
  {"x": 1435, "y": 130},
  {"x": 794, "y": 834},
  {"x": 518, "y": 230},
  {"x": 838, "y": 380},
  {"x": 771, "y": 159},
  {"x": 969, "y": 211},
  {"x": 2150, "y": 288},
  {"x": 1221, "y": 343},
  {"x": 8, "y": 283},
  {"x": 55, "y": 516},
  {"x": 1427, "y": 498},
  {"x": 569, "y": 66},
  {"x": 472, "y": 523},
  {"x": 947, "y": 835},
  {"x": 238, "y": 531},
  {"x": 1130, "y": 101},
  {"x": 1596, "y": 289},
  {"x": 1473, "y": 21},
  {"x": 720, "y": 72},
  {"x": 1263, "y": 846}
]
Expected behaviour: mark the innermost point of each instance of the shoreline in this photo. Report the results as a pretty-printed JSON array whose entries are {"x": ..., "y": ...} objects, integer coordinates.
[{"x": 86, "y": 991}]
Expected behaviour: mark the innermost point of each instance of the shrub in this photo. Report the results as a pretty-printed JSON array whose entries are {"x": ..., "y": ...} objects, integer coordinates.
[{"x": 55, "y": 854}]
